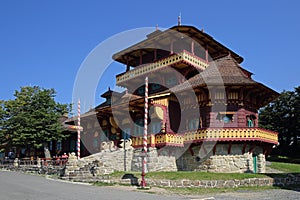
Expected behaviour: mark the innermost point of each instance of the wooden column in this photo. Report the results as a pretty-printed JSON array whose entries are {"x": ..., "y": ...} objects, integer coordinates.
[
  {"x": 127, "y": 65},
  {"x": 141, "y": 57},
  {"x": 155, "y": 54},
  {"x": 192, "y": 47},
  {"x": 206, "y": 53}
]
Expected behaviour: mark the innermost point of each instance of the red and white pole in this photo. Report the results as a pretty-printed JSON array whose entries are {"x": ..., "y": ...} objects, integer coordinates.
[
  {"x": 144, "y": 157},
  {"x": 78, "y": 130}
]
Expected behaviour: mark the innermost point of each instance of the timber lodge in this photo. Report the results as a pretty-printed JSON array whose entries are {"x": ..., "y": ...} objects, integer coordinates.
[{"x": 203, "y": 106}]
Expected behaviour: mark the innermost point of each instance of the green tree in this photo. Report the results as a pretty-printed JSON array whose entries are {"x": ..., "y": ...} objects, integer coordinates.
[
  {"x": 2, "y": 135},
  {"x": 33, "y": 117},
  {"x": 283, "y": 116}
]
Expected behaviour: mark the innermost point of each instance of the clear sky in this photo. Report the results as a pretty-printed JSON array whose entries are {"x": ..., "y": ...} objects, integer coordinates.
[{"x": 45, "y": 42}]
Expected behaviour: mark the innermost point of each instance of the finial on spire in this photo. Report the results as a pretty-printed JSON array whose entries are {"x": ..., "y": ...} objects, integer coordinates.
[
  {"x": 179, "y": 19},
  {"x": 156, "y": 27}
]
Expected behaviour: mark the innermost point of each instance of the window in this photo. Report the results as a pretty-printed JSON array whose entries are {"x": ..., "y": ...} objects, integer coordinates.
[
  {"x": 225, "y": 117},
  {"x": 193, "y": 124},
  {"x": 220, "y": 95},
  {"x": 138, "y": 128},
  {"x": 233, "y": 95},
  {"x": 250, "y": 120},
  {"x": 155, "y": 127},
  {"x": 201, "y": 97}
]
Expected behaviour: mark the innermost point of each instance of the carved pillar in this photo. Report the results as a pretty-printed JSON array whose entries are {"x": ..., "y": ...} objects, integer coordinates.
[
  {"x": 192, "y": 47},
  {"x": 206, "y": 53}
]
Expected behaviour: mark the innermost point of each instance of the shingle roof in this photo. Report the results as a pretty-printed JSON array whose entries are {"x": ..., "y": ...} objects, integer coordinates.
[{"x": 223, "y": 71}]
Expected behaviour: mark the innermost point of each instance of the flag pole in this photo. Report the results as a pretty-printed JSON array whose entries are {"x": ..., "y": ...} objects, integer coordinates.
[
  {"x": 144, "y": 156},
  {"x": 78, "y": 130}
]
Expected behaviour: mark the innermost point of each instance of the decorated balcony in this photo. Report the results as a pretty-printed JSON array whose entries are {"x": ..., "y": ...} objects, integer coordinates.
[
  {"x": 210, "y": 134},
  {"x": 231, "y": 134},
  {"x": 183, "y": 56},
  {"x": 159, "y": 140}
]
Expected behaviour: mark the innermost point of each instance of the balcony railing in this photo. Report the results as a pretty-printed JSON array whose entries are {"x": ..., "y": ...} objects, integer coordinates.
[
  {"x": 210, "y": 134},
  {"x": 231, "y": 134},
  {"x": 183, "y": 56}
]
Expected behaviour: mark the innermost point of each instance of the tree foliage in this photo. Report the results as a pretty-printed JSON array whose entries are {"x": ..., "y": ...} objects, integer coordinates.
[
  {"x": 283, "y": 116},
  {"x": 32, "y": 118}
]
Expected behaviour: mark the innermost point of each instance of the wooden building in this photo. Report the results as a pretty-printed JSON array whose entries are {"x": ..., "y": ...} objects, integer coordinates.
[{"x": 203, "y": 106}]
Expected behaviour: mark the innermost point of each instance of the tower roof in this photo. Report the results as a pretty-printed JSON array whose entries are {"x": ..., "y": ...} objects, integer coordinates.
[
  {"x": 226, "y": 71},
  {"x": 162, "y": 39}
]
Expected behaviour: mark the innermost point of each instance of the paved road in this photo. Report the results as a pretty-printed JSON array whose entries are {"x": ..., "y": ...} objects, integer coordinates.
[
  {"x": 18, "y": 186},
  {"x": 272, "y": 194}
]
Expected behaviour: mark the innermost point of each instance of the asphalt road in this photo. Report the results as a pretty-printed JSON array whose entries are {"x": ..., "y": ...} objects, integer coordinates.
[{"x": 18, "y": 186}]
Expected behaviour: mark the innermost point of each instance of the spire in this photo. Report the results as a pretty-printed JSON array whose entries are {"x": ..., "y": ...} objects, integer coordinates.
[
  {"x": 156, "y": 27},
  {"x": 179, "y": 19}
]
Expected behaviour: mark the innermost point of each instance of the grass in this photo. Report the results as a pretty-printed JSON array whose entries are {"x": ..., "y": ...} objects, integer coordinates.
[
  {"x": 286, "y": 167},
  {"x": 201, "y": 191},
  {"x": 281, "y": 166},
  {"x": 193, "y": 175}
]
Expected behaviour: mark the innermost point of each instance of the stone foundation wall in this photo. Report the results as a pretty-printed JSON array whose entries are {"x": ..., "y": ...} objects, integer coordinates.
[
  {"x": 204, "y": 158},
  {"x": 290, "y": 179},
  {"x": 222, "y": 161},
  {"x": 118, "y": 159},
  {"x": 156, "y": 160}
]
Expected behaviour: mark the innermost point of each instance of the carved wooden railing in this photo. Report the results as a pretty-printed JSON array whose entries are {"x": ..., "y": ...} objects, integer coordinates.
[
  {"x": 209, "y": 134},
  {"x": 231, "y": 134},
  {"x": 183, "y": 56}
]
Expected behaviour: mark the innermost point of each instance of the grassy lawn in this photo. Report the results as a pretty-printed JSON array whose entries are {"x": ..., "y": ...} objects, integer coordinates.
[
  {"x": 201, "y": 191},
  {"x": 192, "y": 175},
  {"x": 286, "y": 167},
  {"x": 281, "y": 166}
]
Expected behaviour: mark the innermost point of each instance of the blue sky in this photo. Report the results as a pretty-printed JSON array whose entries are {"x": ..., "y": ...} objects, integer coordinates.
[{"x": 45, "y": 42}]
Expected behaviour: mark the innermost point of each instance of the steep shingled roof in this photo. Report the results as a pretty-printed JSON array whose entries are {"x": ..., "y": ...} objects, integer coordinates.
[{"x": 223, "y": 71}]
